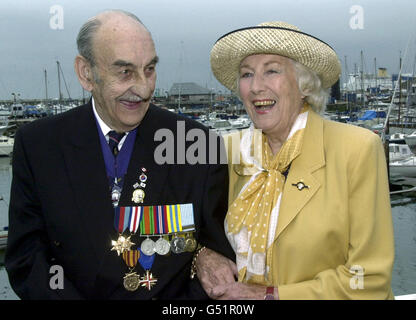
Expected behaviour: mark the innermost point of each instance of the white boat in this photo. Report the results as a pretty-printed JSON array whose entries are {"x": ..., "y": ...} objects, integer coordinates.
[
  {"x": 221, "y": 126},
  {"x": 399, "y": 152},
  {"x": 397, "y": 138},
  {"x": 242, "y": 122},
  {"x": 3, "y": 239},
  {"x": 3, "y": 128},
  {"x": 6, "y": 145},
  {"x": 403, "y": 168},
  {"x": 411, "y": 141}
]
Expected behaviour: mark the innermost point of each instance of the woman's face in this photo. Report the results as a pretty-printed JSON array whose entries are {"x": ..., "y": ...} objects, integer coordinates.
[{"x": 270, "y": 93}]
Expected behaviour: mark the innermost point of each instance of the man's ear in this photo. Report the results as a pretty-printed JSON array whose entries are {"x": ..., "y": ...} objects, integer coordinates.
[{"x": 84, "y": 73}]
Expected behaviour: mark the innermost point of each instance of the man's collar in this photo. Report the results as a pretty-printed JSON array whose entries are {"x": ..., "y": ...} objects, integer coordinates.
[{"x": 103, "y": 126}]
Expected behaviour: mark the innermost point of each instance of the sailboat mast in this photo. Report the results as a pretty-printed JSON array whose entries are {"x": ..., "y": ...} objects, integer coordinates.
[
  {"x": 375, "y": 73},
  {"x": 46, "y": 85},
  {"x": 400, "y": 88},
  {"x": 362, "y": 79},
  {"x": 59, "y": 85},
  {"x": 346, "y": 85}
]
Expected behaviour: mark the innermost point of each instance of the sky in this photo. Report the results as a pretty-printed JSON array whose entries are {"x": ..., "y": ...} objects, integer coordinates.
[{"x": 34, "y": 34}]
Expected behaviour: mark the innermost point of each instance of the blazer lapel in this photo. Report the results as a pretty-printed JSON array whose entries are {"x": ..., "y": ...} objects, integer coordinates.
[
  {"x": 311, "y": 159},
  {"x": 87, "y": 175}
]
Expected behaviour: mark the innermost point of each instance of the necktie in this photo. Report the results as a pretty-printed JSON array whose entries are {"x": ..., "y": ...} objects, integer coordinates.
[{"x": 114, "y": 139}]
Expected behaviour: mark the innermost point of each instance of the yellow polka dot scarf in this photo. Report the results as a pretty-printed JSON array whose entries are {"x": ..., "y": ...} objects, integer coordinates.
[{"x": 251, "y": 219}]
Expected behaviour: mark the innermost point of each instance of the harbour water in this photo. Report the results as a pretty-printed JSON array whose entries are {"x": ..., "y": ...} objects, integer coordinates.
[{"x": 404, "y": 219}]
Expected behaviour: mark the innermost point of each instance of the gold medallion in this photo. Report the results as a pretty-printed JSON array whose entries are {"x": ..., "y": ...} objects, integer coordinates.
[
  {"x": 138, "y": 196},
  {"x": 131, "y": 281},
  {"x": 190, "y": 244}
]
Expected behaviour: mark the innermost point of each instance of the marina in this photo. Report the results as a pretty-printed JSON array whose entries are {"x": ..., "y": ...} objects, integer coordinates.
[
  {"x": 222, "y": 113},
  {"x": 403, "y": 201}
]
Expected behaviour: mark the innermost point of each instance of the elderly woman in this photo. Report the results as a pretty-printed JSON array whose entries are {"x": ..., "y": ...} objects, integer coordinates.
[{"x": 309, "y": 210}]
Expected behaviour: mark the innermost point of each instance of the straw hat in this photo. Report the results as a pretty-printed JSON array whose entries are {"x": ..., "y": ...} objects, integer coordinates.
[{"x": 273, "y": 38}]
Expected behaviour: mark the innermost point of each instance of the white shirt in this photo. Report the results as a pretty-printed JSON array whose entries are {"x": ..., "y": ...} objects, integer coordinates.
[{"x": 105, "y": 128}]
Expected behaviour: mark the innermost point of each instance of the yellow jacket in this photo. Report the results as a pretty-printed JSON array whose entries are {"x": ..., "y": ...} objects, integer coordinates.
[{"x": 334, "y": 239}]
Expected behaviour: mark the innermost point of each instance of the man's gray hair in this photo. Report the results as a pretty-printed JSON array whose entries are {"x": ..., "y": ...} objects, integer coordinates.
[{"x": 88, "y": 31}]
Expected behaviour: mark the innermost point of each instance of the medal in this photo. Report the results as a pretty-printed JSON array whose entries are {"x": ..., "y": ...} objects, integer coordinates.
[
  {"x": 138, "y": 196},
  {"x": 147, "y": 280},
  {"x": 121, "y": 244},
  {"x": 147, "y": 262},
  {"x": 178, "y": 245},
  {"x": 125, "y": 218},
  {"x": 143, "y": 177},
  {"x": 115, "y": 195},
  {"x": 148, "y": 247},
  {"x": 162, "y": 246},
  {"x": 131, "y": 281},
  {"x": 190, "y": 243}
]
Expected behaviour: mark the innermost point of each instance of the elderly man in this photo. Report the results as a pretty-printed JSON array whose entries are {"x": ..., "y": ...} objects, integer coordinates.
[{"x": 92, "y": 213}]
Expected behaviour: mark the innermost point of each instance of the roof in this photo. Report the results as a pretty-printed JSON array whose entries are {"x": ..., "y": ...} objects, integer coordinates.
[{"x": 187, "y": 88}]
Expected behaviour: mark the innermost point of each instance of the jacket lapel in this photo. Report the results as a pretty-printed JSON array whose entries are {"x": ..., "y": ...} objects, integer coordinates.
[
  {"x": 302, "y": 170},
  {"x": 87, "y": 175}
]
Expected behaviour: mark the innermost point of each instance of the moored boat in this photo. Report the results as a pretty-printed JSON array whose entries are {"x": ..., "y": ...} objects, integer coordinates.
[
  {"x": 6, "y": 145},
  {"x": 3, "y": 238},
  {"x": 399, "y": 152},
  {"x": 411, "y": 141},
  {"x": 403, "y": 168}
]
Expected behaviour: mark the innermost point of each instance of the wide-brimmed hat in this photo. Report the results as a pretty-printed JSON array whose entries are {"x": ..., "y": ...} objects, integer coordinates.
[{"x": 273, "y": 38}]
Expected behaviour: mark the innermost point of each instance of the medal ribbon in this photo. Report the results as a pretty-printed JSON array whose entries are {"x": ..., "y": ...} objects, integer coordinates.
[
  {"x": 174, "y": 222},
  {"x": 147, "y": 223},
  {"x": 117, "y": 167},
  {"x": 167, "y": 219},
  {"x": 136, "y": 213},
  {"x": 160, "y": 221},
  {"x": 131, "y": 257},
  {"x": 187, "y": 216},
  {"x": 122, "y": 218},
  {"x": 127, "y": 217},
  {"x": 146, "y": 261}
]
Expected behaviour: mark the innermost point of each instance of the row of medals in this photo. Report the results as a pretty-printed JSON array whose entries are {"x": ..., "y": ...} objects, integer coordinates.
[
  {"x": 178, "y": 244},
  {"x": 162, "y": 246}
]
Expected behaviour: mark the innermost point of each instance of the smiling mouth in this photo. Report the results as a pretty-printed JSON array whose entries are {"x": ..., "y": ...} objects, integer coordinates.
[
  {"x": 131, "y": 103},
  {"x": 264, "y": 104}
]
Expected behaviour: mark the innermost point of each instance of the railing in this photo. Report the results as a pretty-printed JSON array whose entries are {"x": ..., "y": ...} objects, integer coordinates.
[{"x": 403, "y": 191}]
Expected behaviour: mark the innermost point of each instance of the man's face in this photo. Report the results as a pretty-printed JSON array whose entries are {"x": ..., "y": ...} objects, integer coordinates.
[{"x": 124, "y": 72}]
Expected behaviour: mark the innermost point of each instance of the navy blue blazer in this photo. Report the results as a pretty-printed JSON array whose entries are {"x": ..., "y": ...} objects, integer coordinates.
[{"x": 61, "y": 212}]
